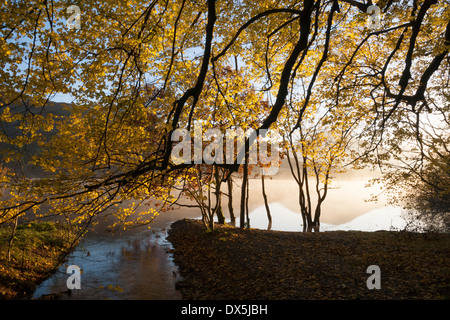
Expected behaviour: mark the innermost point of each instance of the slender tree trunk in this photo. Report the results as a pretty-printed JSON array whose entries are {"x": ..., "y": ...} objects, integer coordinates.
[
  {"x": 230, "y": 199},
  {"x": 11, "y": 239},
  {"x": 320, "y": 196},
  {"x": 303, "y": 208},
  {"x": 246, "y": 203},
  {"x": 300, "y": 175},
  {"x": 207, "y": 220},
  {"x": 242, "y": 213},
  {"x": 317, "y": 212},
  {"x": 211, "y": 224},
  {"x": 316, "y": 222},
  {"x": 243, "y": 192},
  {"x": 269, "y": 216},
  {"x": 209, "y": 208},
  {"x": 308, "y": 195},
  {"x": 219, "y": 212},
  {"x": 297, "y": 174},
  {"x": 210, "y": 212},
  {"x": 305, "y": 223},
  {"x": 218, "y": 208}
]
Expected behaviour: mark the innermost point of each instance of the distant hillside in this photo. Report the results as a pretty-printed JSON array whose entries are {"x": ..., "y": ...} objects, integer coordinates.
[{"x": 12, "y": 130}]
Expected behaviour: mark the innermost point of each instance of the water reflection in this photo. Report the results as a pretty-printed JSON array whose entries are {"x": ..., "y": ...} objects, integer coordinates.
[
  {"x": 346, "y": 199},
  {"x": 135, "y": 266},
  {"x": 283, "y": 219},
  {"x": 345, "y": 208}
]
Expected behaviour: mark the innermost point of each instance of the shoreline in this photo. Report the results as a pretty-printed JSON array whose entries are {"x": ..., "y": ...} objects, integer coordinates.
[{"x": 235, "y": 264}]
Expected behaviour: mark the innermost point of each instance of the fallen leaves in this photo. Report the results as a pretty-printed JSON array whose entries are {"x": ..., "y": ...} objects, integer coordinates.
[{"x": 231, "y": 263}]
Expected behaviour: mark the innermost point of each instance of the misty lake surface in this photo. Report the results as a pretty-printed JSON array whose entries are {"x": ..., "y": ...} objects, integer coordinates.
[{"x": 137, "y": 264}]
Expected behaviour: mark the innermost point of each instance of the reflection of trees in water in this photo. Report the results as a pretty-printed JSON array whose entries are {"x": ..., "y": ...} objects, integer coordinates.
[
  {"x": 346, "y": 199},
  {"x": 144, "y": 269}
]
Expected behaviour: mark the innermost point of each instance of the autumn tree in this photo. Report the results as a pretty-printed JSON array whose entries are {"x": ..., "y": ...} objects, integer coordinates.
[
  {"x": 315, "y": 152},
  {"x": 416, "y": 173},
  {"x": 229, "y": 112},
  {"x": 103, "y": 155}
]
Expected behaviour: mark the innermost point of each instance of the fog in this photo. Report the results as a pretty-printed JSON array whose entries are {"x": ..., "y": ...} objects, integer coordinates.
[{"x": 346, "y": 199}]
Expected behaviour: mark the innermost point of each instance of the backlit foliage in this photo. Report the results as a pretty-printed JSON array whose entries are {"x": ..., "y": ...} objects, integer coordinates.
[{"x": 137, "y": 70}]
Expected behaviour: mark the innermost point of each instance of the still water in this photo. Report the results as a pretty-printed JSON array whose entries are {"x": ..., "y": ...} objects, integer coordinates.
[{"x": 129, "y": 266}]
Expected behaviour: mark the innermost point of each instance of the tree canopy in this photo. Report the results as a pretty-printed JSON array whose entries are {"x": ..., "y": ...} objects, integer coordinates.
[{"x": 136, "y": 71}]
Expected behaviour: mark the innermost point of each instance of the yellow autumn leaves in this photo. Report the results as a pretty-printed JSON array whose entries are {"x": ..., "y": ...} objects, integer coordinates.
[{"x": 128, "y": 65}]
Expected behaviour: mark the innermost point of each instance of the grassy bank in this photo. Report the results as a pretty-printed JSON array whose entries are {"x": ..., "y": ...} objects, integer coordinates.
[
  {"x": 36, "y": 251},
  {"x": 231, "y": 263}
]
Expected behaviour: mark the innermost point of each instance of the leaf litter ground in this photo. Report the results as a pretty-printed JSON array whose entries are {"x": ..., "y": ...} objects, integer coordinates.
[{"x": 232, "y": 263}]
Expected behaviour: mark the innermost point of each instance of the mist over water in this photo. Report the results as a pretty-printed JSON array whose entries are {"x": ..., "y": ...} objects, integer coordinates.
[{"x": 347, "y": 198}]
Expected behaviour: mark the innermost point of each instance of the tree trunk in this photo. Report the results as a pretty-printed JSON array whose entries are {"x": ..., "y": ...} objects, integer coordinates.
[
  {"x": 207, "y": 220},
  {"x": 230, "y": 199},
  {"x": 211, "y": 211},
  {"x": 246, "y": 203},
  {"x": 301, "y": 203},
  {"x": 316, "y": 222},
  {"x": 12, "y": 237},
  {"x": 211, "y": 224},
  {"x": 269, "y": 216},
  {"x": 243, "y": 192},
  {"x": 307, "y": 192},
  {"x": 218, "y": 208},
  {"x": 219, "y": 212},
  {"x": 313, "y": 226}
]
